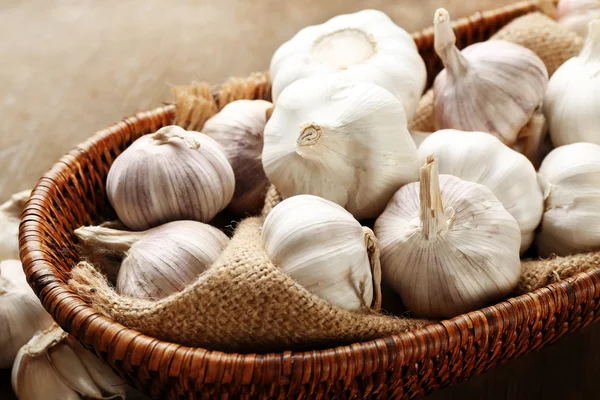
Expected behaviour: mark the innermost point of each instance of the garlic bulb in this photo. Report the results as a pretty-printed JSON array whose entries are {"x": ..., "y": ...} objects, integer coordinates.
[
  {"x": 570, "y": 180},
  {"x": 10, "y": 217},
  {"x": 53, "y": 365},
  {"x": 492, "y": 86},
  {"x": 576, "y": 14},
  {"x": 482, "y": 158},
  {"x": 170, "y": 175},
  {"x": 447, "y": 245},
  {"x": 239, "y": 128},
  {"x": 326, "y": 250},
  {"x": 365, "y": 46},
  {"x": 344, "y": 141},
  {"x": 159, "y": 261},
  {"x": 573, "y": 98},
  {"x": 21, "y": 313}
]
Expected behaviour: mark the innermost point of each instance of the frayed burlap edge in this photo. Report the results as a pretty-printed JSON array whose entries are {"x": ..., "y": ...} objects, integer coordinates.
[{"x": 242, "y": 303}]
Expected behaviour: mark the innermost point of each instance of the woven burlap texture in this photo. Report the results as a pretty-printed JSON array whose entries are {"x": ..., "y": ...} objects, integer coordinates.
[
  {"x": 553, "y": 43},
  {"x": 242, "y": 303}
]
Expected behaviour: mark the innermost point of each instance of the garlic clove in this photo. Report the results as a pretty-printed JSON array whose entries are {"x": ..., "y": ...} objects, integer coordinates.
[
  {"x": 573, "y": 95},
  {"x": 492, "y": 86},
  {"x": 64, "y": 359},
  {"x": 324, "y": 249},
  {"x": 10, "y": 217},
  {"x": 365, "y": 46},
  {"x": 172, "y": 174},
  {"x": 344, "y": 141},
  {"x": 238, "y": 128}
]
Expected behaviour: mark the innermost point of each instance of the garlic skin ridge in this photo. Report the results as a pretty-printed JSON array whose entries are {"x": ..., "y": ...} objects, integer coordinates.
[
  {"x": 481, "y": 158},
  {"x": 10, "y": 217},
  {"x": 576, "y": 14},
  {"x": 573, "y": 96},
  {"x": 323, "y": 248},
  {"x": 21, "y": 313},
  {"x": 170, "y": 175},
  {"x": 570, "y": 180},
  {"x": 447, "y": 245},
  {"x": 493, "y": 86},
  {"x": 365, "y": 46},
  {"x": 157, "y": 262},
  {"x": 239, "y": 128},
  {"x": 344, "y": 141},
  {"x": 55, "y": 366}
]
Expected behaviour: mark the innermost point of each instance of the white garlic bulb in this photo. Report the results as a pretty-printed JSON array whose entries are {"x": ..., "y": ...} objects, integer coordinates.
[
  {"x": 365, "y": 46},
  {"x": 325, "y": 250},
  {"x": 481, "y": 158},
  {"x": 576, "y": 14},
  {"x": 170, "y": 175},
  {"x": 159, "y": 261},
  {"x": 447, "y": 245},
  {"x": 570, "y": 180},
  {"x": 53, "y": 365},
  {"x": 21, "y": 313},
  {"x": 493, "y": 86},
  {"x": 239, "y": 128},
  {"x": 344, "y": 141},
  {"x": 572, "y": 104},
  {"x": 10, "y": 217}
]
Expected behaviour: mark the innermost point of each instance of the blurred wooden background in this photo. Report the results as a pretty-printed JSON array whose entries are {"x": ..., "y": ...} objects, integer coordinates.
[{"x": 69, "y": 68}]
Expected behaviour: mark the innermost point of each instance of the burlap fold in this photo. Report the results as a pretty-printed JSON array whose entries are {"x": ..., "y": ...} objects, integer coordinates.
[
  {"x": 242, "y": 303},
  {"x": 552, "y": 42}
]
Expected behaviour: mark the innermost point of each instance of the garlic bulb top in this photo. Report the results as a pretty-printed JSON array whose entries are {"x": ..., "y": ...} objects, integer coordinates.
[
  {"x": 492, "y": 86},
  {"x": 10, "y": 217},
  {"x": 21, "y": 313},
  {"x": 365, "y": 46},
  {"x": 570, "y": 179},
  {"x": 447, "y": 245},
  {"x": 324, "y": 249},
  {"x": 239, "y": 128},
  {"x": 157, "y": 262},
  {"x": 573, "y": 97},
  {"x": 53, "y": 365},
  {"x": 480, "y": 157},
  {"x": 576, "y": 14},
  {"x": 170, "y": 175},
  {"x": 344, "y": 141}
]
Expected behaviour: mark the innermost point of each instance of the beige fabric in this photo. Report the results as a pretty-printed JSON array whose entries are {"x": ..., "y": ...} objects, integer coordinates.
[
  {"x": 553, "y": 43},
  {"x": 242, "y": 303}
]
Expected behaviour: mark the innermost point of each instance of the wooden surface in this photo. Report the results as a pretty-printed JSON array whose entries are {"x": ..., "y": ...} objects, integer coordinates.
[{"x": 70, "y": 68}]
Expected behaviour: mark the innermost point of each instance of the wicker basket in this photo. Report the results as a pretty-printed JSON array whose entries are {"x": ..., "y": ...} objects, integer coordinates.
[{"x": 401, "y": 366}]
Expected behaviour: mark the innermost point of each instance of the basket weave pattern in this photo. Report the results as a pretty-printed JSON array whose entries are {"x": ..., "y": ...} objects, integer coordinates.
[{"x": 400, "y": 366}]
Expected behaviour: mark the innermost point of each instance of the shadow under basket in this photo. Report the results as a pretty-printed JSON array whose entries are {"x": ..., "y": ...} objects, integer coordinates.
[{"x": 405, "y": 365}]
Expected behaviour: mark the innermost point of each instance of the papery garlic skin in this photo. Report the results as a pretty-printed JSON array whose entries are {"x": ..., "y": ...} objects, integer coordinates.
[
  {"x": 570, "y": 179},
  {"x": 365, "y": 46},
  {"x": 448, "y": 246},
  {"x": 322, "y": 247},
  {"x": 170, "y": 175},
  {"x": 481, "y": 158},
  {"x": 52, "y": 365},
  {"x": 21, "y": 313},
  {"x": 344, "y": 141},
  {"x": 576, "y": 14},
  {"x": 572, "y": 105},
  {"x": 493, "y": 86},
  {"x": 160, "y": 261},
  {"x": 10, "y": 217},
  {"x": 238, "y": 128}
]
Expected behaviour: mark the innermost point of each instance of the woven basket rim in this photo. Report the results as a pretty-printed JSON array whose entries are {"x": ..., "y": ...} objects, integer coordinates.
[{"x": 425, "y": 336}]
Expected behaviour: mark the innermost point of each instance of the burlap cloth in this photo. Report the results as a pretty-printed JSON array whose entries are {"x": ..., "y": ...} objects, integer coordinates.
[{"x": 552, "y": 42}]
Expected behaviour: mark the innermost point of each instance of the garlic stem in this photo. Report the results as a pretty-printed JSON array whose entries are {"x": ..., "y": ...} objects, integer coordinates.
[
  {"x": 374, "y": 259},
  {"x": 163, "y": 135},
  {"x": 433, "y": 217},
  {"x": 591, "y": 48},
  {"x": 15, "y": 206},
  {"x": 445, "y": 45},
  {"x": 108, "y": 239}
]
